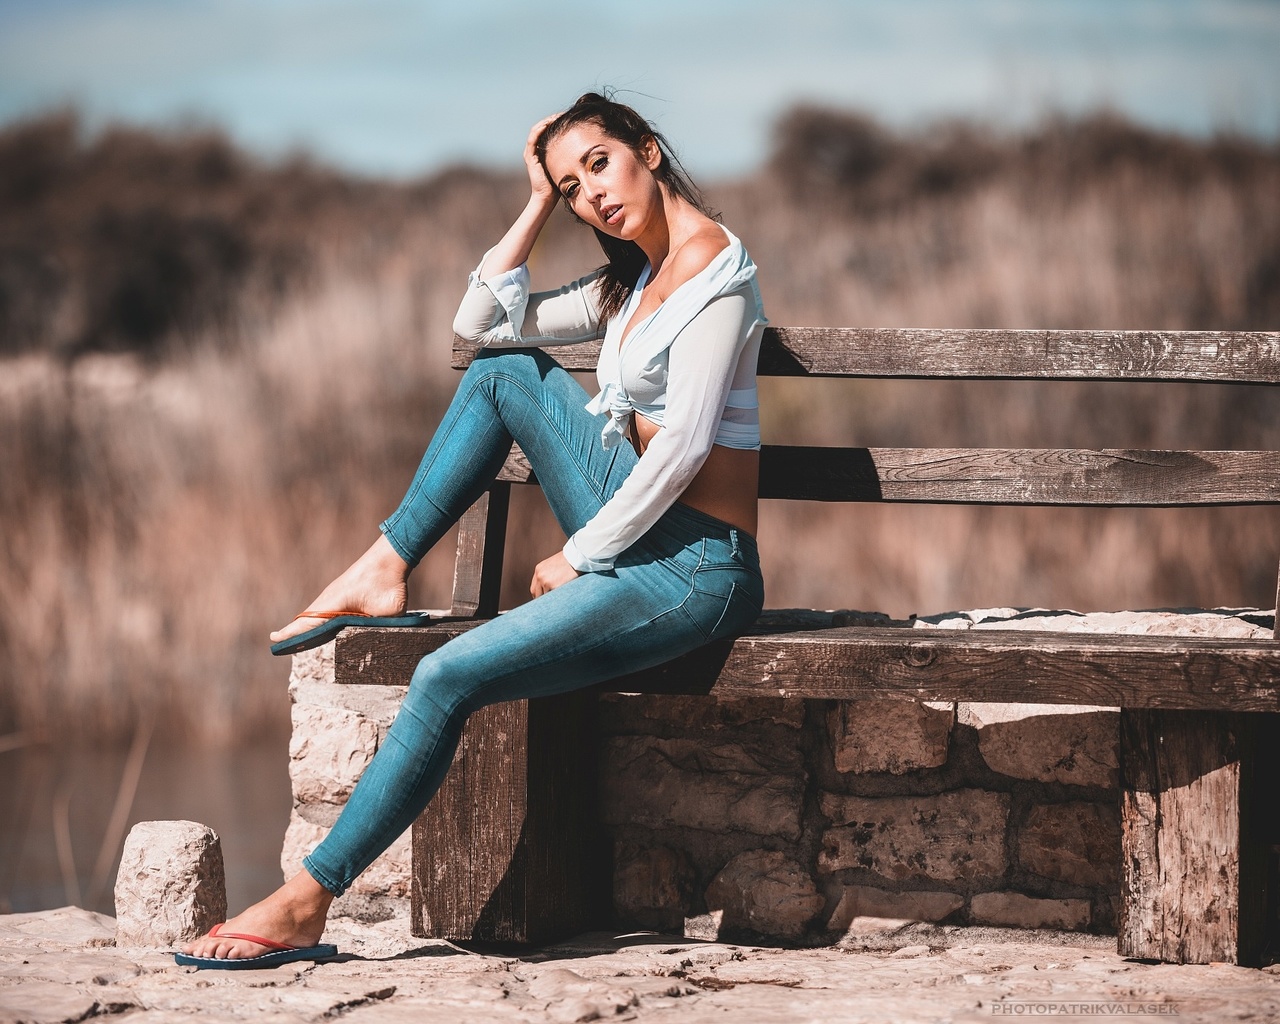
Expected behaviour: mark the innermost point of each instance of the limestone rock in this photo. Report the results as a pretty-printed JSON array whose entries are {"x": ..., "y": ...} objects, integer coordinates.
[
  {"x": 704, "y": 927},
  {"x": 170, "y": 887},
  {"x": 313, "y": 666},
  {"x": 952, "y": 835},
  {"x": 868, "y": 901},
  {"x": 1014, "y": 910},
  {"x": 766, "y": 892},
  {"x": 1241, "y": 623},
  {"x": 653, "y": 887},
  {"x": 660, "y": 783},
  {"x": 895, "y": 736},
  {"x": 328, "y": 752},
  {"x": 1048, "y": 742},
  {"x": 1076, "y": 842}
]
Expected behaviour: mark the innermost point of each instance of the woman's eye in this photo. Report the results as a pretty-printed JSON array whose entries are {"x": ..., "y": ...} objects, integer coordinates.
[
  {"x": 569, "y": 191},
  {"x": 598, "y": 164}
]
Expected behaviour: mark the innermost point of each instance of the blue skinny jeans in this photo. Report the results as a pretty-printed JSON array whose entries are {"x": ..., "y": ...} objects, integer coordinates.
[{"x": 690, "y": 579}]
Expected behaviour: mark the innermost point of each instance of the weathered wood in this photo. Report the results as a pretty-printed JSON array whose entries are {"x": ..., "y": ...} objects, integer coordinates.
[
  {"x": 853, "y": 662},
  {"x": 1021, "y": 476},
  {"x": 1006, "y": 476},
  {"x": 507, "y": 850},
  {"x": 1243, "y": 357},
  {"x": 1199, "y": 787},
  {"x": 477, "y": 571},
  {"x": 1275, "y": 631},
  {"x": 1195, "y": 810}
]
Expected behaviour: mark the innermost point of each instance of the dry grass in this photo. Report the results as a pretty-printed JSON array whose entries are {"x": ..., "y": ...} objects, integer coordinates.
[{"x": 219, "y": 376}]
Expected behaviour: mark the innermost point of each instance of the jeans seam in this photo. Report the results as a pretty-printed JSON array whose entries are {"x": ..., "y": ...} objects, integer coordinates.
[{"x": 555, "y": 431}]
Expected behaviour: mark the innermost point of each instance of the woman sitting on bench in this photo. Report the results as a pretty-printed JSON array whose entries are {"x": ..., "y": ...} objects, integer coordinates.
[{"x": 653, "y": 480}]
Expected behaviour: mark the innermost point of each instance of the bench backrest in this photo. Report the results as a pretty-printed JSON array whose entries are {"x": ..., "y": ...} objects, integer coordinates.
[{"x": 986, "y": 476}]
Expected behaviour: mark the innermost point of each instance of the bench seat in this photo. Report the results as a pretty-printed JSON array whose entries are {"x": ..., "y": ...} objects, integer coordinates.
[
  {"x": 793, "y": 654},
  {"x": 509, "y": 849}
]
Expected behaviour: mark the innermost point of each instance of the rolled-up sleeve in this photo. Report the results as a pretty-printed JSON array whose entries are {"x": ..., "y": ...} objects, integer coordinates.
[{"x": 501, "y": 312}]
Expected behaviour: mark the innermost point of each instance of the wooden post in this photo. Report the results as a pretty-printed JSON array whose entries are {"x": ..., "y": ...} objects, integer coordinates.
[
  {"x": 1197, "y": 809},
  {"x": 508, "y": 850},
  {"x": 477, "y": 572}
]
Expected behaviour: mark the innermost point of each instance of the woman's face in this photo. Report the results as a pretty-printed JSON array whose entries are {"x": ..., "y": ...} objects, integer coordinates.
[{"x": 606, "y": 183}]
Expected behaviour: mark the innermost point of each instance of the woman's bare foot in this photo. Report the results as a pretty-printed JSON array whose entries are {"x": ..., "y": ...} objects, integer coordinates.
[
  {"x": 375, "y": 584},
  {"x": 294, "y": 914}
]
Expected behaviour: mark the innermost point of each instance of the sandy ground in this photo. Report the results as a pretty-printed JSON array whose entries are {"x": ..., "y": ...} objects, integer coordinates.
[{"x": 63, "y": 965}]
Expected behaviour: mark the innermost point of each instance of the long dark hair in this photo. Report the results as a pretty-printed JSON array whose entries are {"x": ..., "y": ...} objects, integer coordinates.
[{"x": 624, "y": 260}]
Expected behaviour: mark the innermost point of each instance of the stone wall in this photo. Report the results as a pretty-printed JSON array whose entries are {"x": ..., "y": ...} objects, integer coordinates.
[
  {"x": 790, "y": 819},
  {"x": 337, "y": 729}
]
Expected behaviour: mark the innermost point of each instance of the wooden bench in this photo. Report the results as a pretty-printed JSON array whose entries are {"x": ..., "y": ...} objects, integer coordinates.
[{"x": 509, "y": 849}]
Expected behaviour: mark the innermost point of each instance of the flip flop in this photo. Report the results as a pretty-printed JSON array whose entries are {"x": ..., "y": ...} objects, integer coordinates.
[
  {"x": 280, "y": 954},
  {"x": 336, "y": 622}
]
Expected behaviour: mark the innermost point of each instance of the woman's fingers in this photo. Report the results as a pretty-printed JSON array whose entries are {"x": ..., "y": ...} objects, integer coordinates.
[
  {"x": 551, "y": 573},
  {"x": 537, "y": 177}
]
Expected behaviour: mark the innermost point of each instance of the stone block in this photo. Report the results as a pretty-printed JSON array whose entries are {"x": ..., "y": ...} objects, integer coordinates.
[
  {"x": 764, "y": 892},
  {"x": 704, "y": 927},
  {"x": 1014, "y": 910},
  {"x": 895, "y": 736},
  {"x": 652, "y": 887},
  {"x": 329, "y": 750},
  {"x": 867, "y": 901},
  {"x": 1048, "y": 742},
  {"x": 313, "y": 666},
  {"x": 946, "y": 837},
  {"x": 1076, "y": 842},
  {"x": 682, "y": 783},
  {"x": 171, "y": 887}
]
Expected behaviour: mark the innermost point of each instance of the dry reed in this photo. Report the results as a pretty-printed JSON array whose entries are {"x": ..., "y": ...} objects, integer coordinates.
[{"x": 220, "y": 375}]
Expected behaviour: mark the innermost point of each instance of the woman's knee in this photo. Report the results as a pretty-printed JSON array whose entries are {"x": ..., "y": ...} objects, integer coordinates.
[
  {"x": 524, "y": 364},
  {"x": 442, "y": 689}
]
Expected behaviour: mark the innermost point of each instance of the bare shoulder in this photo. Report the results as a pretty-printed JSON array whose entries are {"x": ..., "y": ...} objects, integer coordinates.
[{"x": 696, "y": 254}]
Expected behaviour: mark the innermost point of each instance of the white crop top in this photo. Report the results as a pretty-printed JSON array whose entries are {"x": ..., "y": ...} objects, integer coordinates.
[{"x": 689, "y": 367}]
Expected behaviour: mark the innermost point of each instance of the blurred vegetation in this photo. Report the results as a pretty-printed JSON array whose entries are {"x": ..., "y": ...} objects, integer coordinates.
[{"x": 216, "y": 376}]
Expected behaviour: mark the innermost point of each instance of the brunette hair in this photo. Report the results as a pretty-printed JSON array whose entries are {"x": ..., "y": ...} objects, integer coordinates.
[{"x": 624, "y": 260}]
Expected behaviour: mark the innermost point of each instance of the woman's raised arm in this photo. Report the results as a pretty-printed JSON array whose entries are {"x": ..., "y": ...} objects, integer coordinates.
[{"x": 517, "y": 243}]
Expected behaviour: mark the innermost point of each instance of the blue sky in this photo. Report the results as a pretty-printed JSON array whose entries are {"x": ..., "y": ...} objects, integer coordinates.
[{"x": 402, "y": 87}]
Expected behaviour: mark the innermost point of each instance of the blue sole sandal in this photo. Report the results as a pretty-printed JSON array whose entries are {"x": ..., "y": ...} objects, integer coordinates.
[
  {"x": 336, "y": 622},
  {"x": 280, "y": 954}
]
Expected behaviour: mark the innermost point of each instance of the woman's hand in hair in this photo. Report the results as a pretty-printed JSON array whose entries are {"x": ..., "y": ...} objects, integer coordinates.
[
  {"x": 551, "y": 573},
  {"x": 540, "y": 185}
]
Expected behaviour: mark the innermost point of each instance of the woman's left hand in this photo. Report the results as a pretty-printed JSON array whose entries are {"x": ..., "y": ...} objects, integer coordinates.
[{"x": 551, "y": 573}]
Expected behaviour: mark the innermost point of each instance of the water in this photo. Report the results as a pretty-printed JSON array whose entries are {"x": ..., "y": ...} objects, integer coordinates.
[{"x": 241, "y": 792}]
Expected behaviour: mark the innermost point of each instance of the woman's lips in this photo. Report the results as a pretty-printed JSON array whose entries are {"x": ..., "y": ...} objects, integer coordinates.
[{"x": 610, "y": 214}]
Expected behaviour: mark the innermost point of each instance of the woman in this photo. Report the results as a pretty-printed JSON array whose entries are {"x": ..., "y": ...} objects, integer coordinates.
[{"x": 654, "y": 482}]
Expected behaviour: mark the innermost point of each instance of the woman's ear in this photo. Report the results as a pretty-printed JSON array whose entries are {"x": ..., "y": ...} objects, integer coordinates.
[{"x": 651, "y": 153}]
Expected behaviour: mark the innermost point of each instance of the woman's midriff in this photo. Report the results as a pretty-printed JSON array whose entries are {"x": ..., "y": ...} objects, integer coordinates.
[{"x": 727, "y": 486}]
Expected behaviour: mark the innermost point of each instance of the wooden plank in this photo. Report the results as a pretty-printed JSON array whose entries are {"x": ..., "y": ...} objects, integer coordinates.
[
  {"x": 852, "y": 662},
  {"x": 1021, "y": 476},
  {"x": 508, "y": 850},
  {"x": 468, "y": 838},
  {"x": 477, "y": 571},
  {"x": 1194, "y": 798},
  {"x": 1006, "y": 476},
  {"x": 1239, "y": 357}
]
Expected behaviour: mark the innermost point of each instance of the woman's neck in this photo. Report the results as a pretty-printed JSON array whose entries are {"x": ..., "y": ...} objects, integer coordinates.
[{"x": 675, "y": 222}]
